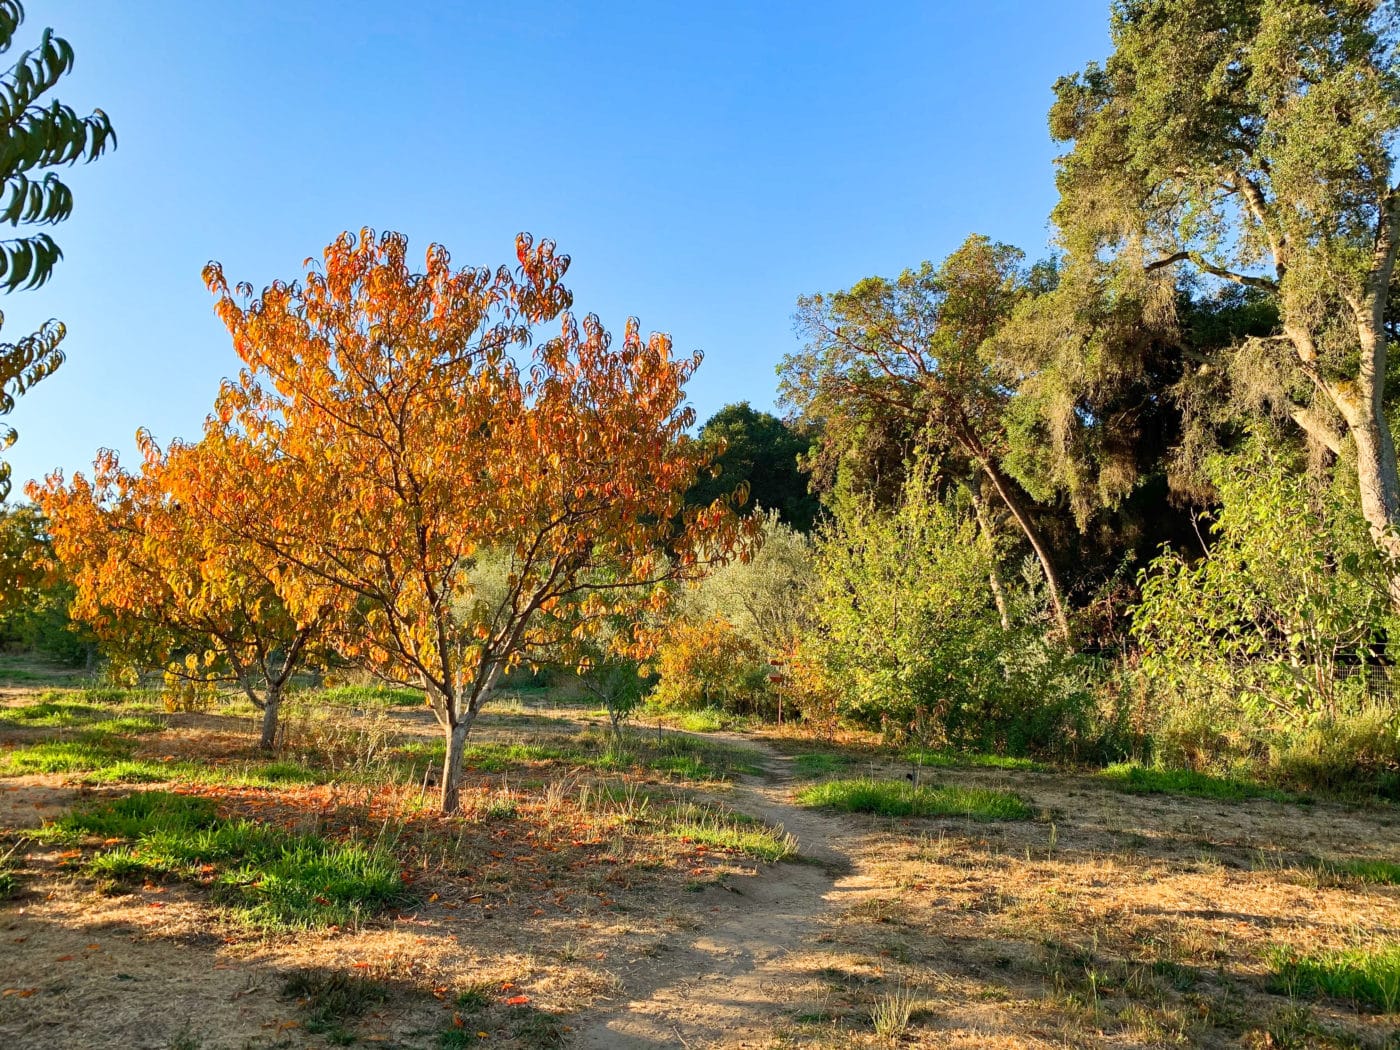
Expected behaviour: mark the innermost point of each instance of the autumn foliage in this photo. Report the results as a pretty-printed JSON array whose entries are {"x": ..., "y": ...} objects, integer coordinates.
[
  {"x": 456, "y": 497},
  {"x": 163, "y": 584}
]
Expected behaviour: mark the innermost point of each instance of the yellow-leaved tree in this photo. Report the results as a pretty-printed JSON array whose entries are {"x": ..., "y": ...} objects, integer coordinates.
[{"x": 164, "y": 584}]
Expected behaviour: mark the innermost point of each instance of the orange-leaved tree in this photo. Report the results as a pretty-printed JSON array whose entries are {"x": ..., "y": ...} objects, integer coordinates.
[
  {"x": 165, "y": 585},
  {"x": 460, "y": 507}
]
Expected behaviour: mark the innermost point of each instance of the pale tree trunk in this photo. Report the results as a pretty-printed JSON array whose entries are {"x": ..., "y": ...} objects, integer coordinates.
[
  {"x": 1362, "y": 404},
  {"x": 1003, "y": 486},
  {"x": 1376, "y": 474},
  {"x": 451, "y": 797},
  {"x": 457, "y": 724},
  {"x": 994, "y": 572}
]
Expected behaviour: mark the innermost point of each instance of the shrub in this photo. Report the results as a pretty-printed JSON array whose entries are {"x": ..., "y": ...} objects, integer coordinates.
[
  {"x": 710, "y": 665},
  {"x": 1249, "y": 655}
]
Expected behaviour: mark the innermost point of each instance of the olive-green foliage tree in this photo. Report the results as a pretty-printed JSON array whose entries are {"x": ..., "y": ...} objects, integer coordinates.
[
  {"x": 1251, "y": 141},
  {"x": 911, "y": 350},
  {"x": 905, "y": 620},
  {"x": 1269, "y": 634},
  {"x": 762, "y": 453},
  {"x": 36, "y": 134},
  {"x": 34, "y": 593},
  {"x": 767, "y": 599},
  {"x": 908, "y": 635}
]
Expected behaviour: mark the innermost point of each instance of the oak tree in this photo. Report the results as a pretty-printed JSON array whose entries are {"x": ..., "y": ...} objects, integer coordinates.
[
  {"x": 1251, "y": 142},
  {"x": 910, "y": 351}
]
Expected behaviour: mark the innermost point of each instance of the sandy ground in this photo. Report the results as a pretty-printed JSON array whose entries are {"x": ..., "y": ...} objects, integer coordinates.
[{"x": 1111, "y": 920}]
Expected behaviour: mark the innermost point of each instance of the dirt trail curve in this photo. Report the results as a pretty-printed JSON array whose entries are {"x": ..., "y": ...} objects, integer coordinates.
[{"x": 721, "y": 984}]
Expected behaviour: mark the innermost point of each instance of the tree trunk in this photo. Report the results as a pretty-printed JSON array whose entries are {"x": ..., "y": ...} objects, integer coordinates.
[
  {"x": 1362, "y": 405},
  {"x": 452, "y": 764},
  {"x": 1376, "y": 476},
  {"x": 993, "y": 573},
  {"x": 271, "y": 704},
  {"x": 1003, "y": 486}
]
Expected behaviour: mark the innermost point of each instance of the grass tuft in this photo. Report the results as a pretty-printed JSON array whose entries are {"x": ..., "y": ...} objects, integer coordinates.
[
  {"x": 273, "y": 878},
  {"x": 1369, "y": 977},
  {"x": 1377, "y": 872},
  {"x": 368, "y": 696},
  {"x": 943, "y": 759},
  {"x": 1146, "y": 780},
  {"x": 82, "y": 755},
  {"x": 329, "y": 998},
  {"x": 896, "y": 798},
  {"x": 733, "y": 832}
]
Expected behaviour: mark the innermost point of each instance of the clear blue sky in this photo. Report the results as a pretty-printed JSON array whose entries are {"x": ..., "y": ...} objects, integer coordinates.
[{"x": 704, "y": 164}]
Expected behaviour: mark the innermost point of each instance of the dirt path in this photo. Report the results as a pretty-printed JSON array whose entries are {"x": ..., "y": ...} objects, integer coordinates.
[{"x": 721, "y": 984}]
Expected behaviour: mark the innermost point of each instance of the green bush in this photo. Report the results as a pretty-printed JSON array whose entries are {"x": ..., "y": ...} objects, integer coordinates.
[{"x": 1247, "y": 653}]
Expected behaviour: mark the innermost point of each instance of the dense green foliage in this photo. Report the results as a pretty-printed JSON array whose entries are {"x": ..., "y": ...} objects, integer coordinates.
[
  {"x": 761, "y": 454},
  {"x": 34, "y": 595},
  {"x": 39, "y": 134}
]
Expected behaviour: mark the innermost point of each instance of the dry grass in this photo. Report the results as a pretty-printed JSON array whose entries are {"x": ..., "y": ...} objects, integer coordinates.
[{"x": 569, "y": 886}]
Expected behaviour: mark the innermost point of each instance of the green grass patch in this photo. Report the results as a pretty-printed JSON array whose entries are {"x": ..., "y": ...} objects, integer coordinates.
[
  {"x": 897, "y": 798},
  {"x": 687, "y": 757},
  {"x": 819, "y": 764},
  {"x": 63, "y": 714},
  {"x": 1147, "y": 780},
  {"x": 53, "y": 714},
  {"x": 146, "y": 812},
  {"x": 80, "y": 755},
  {"x": 733, "y": 832},
  {"x": 1369, "y": 977},
  {"x": 111, "y": 696},
  {"x": 366, "y": 696},
  {"x": 1378, "y": 872},
  {"x": 943, "y": 759},
  {"x": 272, "y": 878},
  {"x": 706, "y": 720},
  {"x": 9, "y": 876}
]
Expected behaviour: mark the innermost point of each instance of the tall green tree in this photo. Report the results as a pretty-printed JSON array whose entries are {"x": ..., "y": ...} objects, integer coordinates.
[
  {"x": 910, "y": 350},
  {"x": 763, "y": 453},
  {"x": 36, "y": 134},
  {"x": 1251, "y": 141}
]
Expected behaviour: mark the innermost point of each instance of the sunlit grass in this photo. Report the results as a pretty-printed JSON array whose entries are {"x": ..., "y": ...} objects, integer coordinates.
[
  {"x": 1381, "y": 872},
  {"x": 897, "y": 798},
  {"x": 1369, "y": 977},
  {"x": 944, "y": 759},
  {"x": 270, "y": 877},
  {"x": 80, "y": 755},
  {"x": 365, "y": 696},
  {"x": 1131, "y": 776},
  {"x": 731, "y": 831}
]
